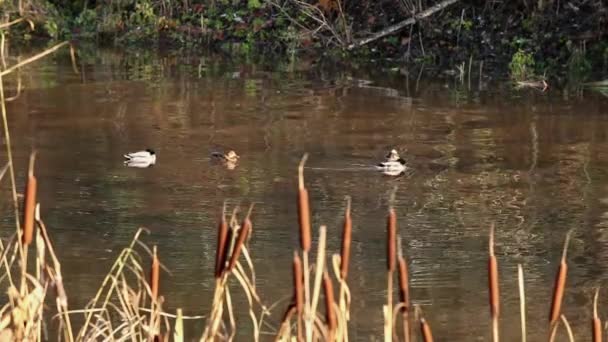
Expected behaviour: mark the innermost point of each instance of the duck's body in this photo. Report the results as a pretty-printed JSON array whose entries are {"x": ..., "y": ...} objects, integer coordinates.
[
  {"x": 147, "y": 156},
  {"x": 393, "y": 163}
]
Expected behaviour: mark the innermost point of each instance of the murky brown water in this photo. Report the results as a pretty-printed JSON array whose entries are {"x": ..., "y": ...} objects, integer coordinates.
[{"x": 535, "y": 164}]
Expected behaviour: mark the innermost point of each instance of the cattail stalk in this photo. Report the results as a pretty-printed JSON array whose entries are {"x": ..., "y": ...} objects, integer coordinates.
[
  {"x": 222, "y": 235},
  {"x": 390, "y": 263},
  {"x": 493, "y": 285},
  {"x": 298, "y": 291},
  {"x": 305, "y": 243},
  {"x": 404, "y": 292},
  {"x": 303, "y": 208},
  {"x": 596, "y": 322},
  {"x": 560, "y": 284},
  {"x": 154, "y": 274},
  {"x": 427, "y": 334},
  {"x": 522, "y": 301},
  {"x": 29, "y": 206},
  {"x": 346, "y": 240}
]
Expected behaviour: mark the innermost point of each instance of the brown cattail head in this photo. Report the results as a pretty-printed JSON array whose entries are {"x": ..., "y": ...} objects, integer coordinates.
[
  {"x": 391, "y": 239},
  {"x": 29, "y": 206},
  {"x": 303, "y": 208},
  {"x": 330, "y": 315},
  {"x": 298, "y": 285},
  {"x": 243, "y": 234},
  {"x": 222, "y": 235},
  {"x": 427, "y": 335},
  {"x": 404, "y": 292},
  {"x": 346, "y": 240},
  {"x": 493, "y": 278},
  {"x": 560, "y": 284},
  {"x": 154, "y": 274},
  {"x": 304, "y": 218},
  {"x": 29, "y": 209},
  {"x": 558, "y": 292}
]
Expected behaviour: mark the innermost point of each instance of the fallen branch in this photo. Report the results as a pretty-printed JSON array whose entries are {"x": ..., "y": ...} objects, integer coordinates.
[{"x": 402, "y": 24}]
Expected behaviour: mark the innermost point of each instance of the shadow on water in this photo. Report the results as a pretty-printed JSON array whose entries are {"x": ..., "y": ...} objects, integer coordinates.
[{"x": 534, "y": 163}]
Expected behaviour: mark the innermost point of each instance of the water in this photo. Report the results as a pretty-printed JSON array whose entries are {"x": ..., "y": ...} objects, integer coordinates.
[{"x": 532, "y": 163}]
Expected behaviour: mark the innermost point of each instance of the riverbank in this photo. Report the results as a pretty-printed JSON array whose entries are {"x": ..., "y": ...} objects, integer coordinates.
[{"x": 564, "y": 42}]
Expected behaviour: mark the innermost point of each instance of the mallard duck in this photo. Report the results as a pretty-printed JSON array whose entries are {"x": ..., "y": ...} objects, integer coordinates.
[
  {"x": 229, "y": 160},
  {"x": 231, "y": 156},
  {"x": 393, "y": 163},
  {"x": 148, "y": 156}
]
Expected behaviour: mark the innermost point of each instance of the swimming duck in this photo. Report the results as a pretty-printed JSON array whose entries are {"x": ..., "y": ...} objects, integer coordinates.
[
  {"x": 148, "y": 156},
  {"x": 393, "y": 163},
  {"x": 229, "y": 159},
  {"x": 231, "y": 156}
]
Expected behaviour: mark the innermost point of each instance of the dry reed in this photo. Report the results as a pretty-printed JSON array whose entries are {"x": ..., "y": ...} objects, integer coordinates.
[
  {"x": 391, "y": 240},
  {"x": 522, "y": 301},
  {"x": 154, "y": 274}
]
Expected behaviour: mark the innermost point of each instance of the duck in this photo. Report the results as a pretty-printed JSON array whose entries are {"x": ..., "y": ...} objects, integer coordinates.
[
  {"x": 145, "y": 157},
  {"x": 393, "y": 163},
  {"x": 229, "y": 159}
]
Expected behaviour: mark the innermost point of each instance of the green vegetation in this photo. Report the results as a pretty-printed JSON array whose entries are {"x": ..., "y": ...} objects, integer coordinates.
[
  {"x": 360, "y": 31},
  {"x": 522, "y": 66}
]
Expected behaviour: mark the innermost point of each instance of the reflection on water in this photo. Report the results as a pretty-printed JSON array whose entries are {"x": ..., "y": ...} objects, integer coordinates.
[{"x": 535, "y": 164}]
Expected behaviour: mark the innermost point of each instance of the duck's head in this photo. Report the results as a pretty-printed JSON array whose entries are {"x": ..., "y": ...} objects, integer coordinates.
[
  {"x": 393, "y": 155},
  {"x": 151, "y": 151},
  {"x": 232, "y": 156}
]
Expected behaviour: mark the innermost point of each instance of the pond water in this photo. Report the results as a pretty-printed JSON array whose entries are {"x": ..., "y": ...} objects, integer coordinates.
[{"x": 533, "y": 163}]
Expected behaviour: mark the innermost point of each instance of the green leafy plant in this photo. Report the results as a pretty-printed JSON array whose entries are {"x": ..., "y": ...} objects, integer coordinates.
[{"x": 522, "y": 66}]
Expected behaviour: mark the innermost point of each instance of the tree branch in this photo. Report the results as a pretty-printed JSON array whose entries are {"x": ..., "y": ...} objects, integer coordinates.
[{"x": 400, "y": 25}]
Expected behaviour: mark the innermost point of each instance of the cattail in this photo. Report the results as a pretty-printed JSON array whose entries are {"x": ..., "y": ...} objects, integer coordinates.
[
  {"x": 243, "y": 233},
  {"x": 596, "y": 322},
  {"x": 560, "y": 284},
  {"x": 222, "y": 235},
  {"x": 303, "y": 208},
  {"x": 328, "y": 289},
  {"x": 427, "y": 335},
  {"x": 29, "y": 206},
  {"x": 493, "y": 278},
  {"x": 392, "y": 239},
  {"x": 297, "y": 283},
  {"x": 404, "y": 295},
  {"x": 154, "y": 274},
  {"x": 346, "y": 239}
]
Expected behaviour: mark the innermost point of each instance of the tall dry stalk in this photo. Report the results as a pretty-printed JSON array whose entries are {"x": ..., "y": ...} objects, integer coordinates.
[
  {"x": 522, "y": 301},
  {"x": 344, "y": 295},
  {"x": 404, "y": 291},
  {"x": 305, "y": 244},
  {"x": 390, "y": 263}
]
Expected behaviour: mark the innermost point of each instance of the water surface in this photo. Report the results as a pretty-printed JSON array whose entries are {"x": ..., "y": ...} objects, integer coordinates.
[{"x": 532, "y": 163}]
